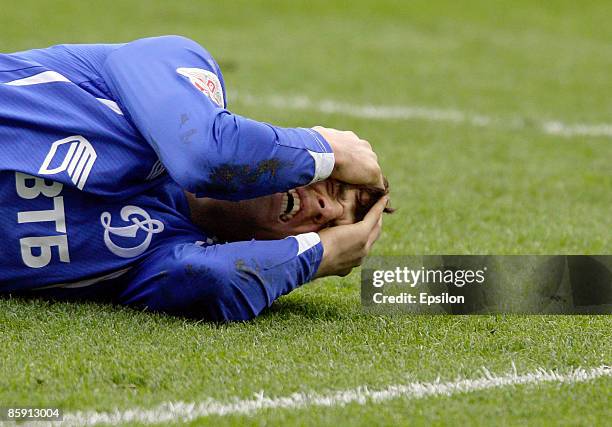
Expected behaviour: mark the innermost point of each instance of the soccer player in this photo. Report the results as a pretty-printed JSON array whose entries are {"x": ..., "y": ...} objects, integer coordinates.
[{"x": 124, "y": 178}]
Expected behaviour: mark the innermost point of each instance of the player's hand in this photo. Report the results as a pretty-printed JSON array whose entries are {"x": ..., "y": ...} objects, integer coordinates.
[
  {"x": 345, "y": 246},
  {"x": 356, "y": 162}
]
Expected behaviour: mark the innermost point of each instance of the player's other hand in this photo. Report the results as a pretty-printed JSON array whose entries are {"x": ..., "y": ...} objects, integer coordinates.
[
  {"x": 356, "y": 162},
  {"x": 345, "y": 246}
]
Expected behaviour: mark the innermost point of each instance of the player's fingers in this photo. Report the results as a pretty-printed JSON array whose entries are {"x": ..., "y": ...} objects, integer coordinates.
[
  {"x": 375, "y": 233},
  {"x": 375, "y": 173},
  {"x": 377, "y": 181},
  {"x": 375, "y": 213},
  {"x": 366, "y": 143}
]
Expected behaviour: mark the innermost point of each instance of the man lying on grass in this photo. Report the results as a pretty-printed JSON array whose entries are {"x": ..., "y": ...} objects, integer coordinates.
[{"x": 123, "y": 178}]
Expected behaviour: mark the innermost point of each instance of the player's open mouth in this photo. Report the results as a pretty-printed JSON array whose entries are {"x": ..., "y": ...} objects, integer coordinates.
[{"x": 290, "y": 205}]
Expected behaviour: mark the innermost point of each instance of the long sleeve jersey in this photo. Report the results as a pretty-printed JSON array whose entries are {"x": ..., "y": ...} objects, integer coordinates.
[{"x": 97, "y": 144}]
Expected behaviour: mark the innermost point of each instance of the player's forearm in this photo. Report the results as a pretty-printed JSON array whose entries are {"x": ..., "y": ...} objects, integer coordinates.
[
  {"x": 244, "y": 158},
  {"x": 225, "y": 282}
]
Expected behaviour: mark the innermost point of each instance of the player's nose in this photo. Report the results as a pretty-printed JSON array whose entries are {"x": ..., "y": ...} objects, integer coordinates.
[{"x": 326, "y": 209}]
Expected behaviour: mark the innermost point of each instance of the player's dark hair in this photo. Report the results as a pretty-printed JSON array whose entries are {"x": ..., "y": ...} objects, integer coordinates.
[{"x": 374, "y": 194}]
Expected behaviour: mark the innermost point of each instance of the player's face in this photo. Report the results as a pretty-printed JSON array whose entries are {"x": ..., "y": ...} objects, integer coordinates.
[{"x": 310, "y": 208}]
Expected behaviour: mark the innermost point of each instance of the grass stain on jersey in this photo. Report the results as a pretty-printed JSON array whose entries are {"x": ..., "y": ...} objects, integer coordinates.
[{"x": 230, "y": 178}]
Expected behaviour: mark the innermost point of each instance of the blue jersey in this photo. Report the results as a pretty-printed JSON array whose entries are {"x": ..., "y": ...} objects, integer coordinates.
[{"x": 97, "y": 144}]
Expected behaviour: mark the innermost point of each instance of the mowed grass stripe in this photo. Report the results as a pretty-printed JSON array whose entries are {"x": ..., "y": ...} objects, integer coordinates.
[
  {"x": 412, "y": 112},
  {"x": 187, "y": 411}
]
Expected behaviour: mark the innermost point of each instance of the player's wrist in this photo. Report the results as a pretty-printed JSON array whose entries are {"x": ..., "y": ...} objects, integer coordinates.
[
  {"x": 322, "y": 153},
  {"x": 325, "y": 266},
  {"x": 336, "y": 147}
]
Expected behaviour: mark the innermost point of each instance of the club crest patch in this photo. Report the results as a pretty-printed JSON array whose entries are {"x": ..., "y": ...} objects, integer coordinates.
[
  {"x": 139, "y": 222},
  {"x": 206, "y": 82}
]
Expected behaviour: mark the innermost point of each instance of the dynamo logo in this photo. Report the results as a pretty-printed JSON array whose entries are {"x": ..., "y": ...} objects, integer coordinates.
[
  {"x": 78, "y": 160},
  {"x": 139, "y": 220}
]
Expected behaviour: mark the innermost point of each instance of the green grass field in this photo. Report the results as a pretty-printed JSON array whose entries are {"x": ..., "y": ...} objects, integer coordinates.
[{"x": 474, "y": 168}]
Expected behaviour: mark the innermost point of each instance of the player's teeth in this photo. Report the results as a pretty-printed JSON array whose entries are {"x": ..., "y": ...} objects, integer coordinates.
[
  {"x": 295, "y": 208},
  {"x": 296, "y": 202},
  {"x": 296, "y": 205},
  {"x": 284, "y": 203}
]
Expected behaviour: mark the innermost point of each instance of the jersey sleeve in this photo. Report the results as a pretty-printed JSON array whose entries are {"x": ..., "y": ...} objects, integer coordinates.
[
  {"x": 173, "y": 92},
  {"x": 224, "y": 282}
]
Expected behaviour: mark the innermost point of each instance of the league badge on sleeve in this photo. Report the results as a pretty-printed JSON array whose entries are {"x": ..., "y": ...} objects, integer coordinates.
[{"x": 206, "y": 82}]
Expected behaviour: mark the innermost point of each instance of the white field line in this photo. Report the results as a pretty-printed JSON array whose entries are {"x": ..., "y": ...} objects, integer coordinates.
[
  {"x": 188, "y": 411},
  {"x": 403, "y": 112}
]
